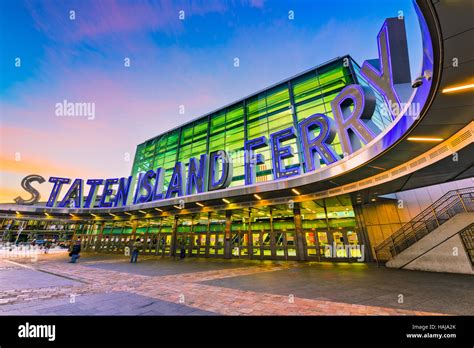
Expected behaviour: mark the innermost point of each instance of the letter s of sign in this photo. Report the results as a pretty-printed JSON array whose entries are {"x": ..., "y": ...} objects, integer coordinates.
[{"x": 26, "y": 185}]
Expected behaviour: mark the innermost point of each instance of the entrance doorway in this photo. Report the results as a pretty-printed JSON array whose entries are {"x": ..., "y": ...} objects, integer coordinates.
[{"x": 330, "y": 230}]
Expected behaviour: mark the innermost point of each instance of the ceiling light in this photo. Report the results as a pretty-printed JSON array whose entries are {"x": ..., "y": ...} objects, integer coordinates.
[
  {"x": 158, "y": 209},
  {"x": 226, "y": 201},
  {"x": 257, "y": 196},
  {"x": 201, "y": 205},
  {"x": 428, "y": 139},
  {"x": 458, "y": 88},
  {"x": 295, "y": 191}
]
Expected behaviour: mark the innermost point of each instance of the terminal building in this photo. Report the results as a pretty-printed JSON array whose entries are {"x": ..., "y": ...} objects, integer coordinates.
[{"x": 343, "y": 162}]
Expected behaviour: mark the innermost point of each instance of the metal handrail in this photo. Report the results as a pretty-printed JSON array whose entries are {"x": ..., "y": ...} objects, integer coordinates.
[
  {"x": 467, "y": 238},
  {"x": 446, "y": 207}
]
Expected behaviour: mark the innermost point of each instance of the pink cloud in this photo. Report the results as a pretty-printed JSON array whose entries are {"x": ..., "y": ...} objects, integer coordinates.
[{"x": 97, "y": 18}]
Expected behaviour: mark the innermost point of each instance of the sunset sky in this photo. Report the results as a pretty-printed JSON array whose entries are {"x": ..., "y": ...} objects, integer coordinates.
[{"x": 174, "y": 62}]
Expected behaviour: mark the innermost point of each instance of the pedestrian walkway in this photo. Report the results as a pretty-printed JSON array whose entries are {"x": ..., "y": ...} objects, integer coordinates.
[{"x": 111, "y": 285}]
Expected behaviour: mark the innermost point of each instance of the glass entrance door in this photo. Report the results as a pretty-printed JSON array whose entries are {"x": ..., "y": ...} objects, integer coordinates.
[
  {"x": 216, "y": 234},
  {"x": 164, "y": 244},
  {"x": 240, "y": 233},
  {"x": 354, "y": 245},
  {"x": 330, "y": 229},
  {"x": 166, "y": 236},
  {"x": 311, "y": 244},
  {"x": 260, "y": 231},
  {"x": 324, "y": 250},
  {"x": 200, "y": 229}
]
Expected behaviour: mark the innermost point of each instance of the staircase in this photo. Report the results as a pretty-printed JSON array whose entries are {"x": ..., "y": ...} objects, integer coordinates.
[{"x": 445, "y": 208}]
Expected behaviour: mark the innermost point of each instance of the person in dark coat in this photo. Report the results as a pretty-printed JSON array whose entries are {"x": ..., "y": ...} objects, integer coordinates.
[
  {"x": 182, "y": 253},
  {"x": 76, "y": 249},
  {"x": 135, "y": 250}
]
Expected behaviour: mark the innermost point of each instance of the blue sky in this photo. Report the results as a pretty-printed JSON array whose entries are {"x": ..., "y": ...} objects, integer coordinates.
[{"x": 173, "y": 62}]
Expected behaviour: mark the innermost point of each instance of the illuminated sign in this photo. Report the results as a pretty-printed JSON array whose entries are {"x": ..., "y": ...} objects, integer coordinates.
[{"x": 352, "y": 108}]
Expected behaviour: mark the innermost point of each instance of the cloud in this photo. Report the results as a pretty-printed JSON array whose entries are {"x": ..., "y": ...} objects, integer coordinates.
[{"x": 109, "y": 17}]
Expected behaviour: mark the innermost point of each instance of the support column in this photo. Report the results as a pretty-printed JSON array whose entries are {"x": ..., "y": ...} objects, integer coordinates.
[
  {"x": 300, "y": 249},
  {"x": 145, "y": 244},
  {"x": 98, "y": 244},
  {"x": 134, "y": 229},
  {"x": 74, "y": 235},
  {"x": 174, "y": 236},
  {"x": 250, "y": 236},
  {"x": 227, "y": 235},
  {"x": 110, "y": 236},
  {"x": 362, "y": 232},
  {"x": 272, "y": 236},
  {"x": 208, "y": 234},
  {"x": 329, "y": 235}
]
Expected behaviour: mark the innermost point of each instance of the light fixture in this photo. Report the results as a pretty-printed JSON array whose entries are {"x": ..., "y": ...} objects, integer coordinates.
[
  {"x": 126, "y": 212},
  {"x": 375, "y": 167},
  {"x": 112, "y": 215},
  {"x": 257, "y": 196},
  {"x": 177, "y": 207},
  {"x": 45, "y": 213},
  {"x": 94, "y": 215},
  {"x": 427, "y": 139},
  {"x": 295, "y": 191},
  {"x": 373, "y": 199},
  {"x": 158, "y": 209},
  {"x": 201, "y": 205},
  {"x": 458, "y": 88},
  {"x": 143, "y": 212},
  {"x": 18, "y": 212},
  {"x": 225, "y": 200},
  {"x": 72, "y": 215}
]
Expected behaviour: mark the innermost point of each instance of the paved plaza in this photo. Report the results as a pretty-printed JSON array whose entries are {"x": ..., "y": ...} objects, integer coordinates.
[{"x": 110, "y": 285}]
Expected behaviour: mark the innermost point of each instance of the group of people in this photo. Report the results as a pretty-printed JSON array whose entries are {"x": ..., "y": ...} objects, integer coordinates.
[
  {"x": 76, "y": 250},
  {"x": 136, "y": 247}
]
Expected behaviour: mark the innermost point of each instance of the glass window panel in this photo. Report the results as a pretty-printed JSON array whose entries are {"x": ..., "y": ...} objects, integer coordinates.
[
  {"x": 186, "y": 134},
  {"x": 235, "y": 114},
  {"x": 278, "y": 98},
  {"x": 217, "y": 122},
  {"x": 200, "y": 127},
  {"x": 306, "y": 87}
]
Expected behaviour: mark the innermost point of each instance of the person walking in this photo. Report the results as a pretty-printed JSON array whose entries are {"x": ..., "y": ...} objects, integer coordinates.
[
  {"x": 76, "y": 249},
  {"x": 47, "y": 246},
  {"x": 135, "y": 250},
  {"x": 163, "y": 246},
  {"x": 182, "y": 253}
]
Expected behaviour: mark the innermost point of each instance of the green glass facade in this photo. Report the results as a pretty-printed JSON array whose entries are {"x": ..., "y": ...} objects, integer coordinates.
[{"x": 263, "y": 113}]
